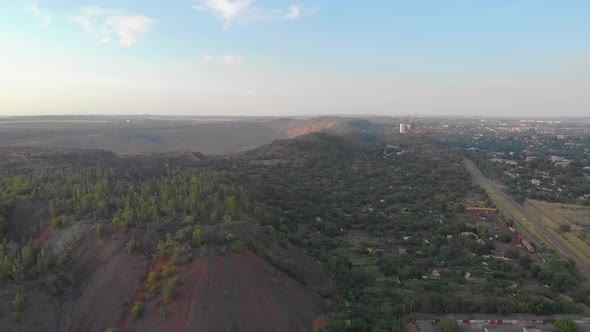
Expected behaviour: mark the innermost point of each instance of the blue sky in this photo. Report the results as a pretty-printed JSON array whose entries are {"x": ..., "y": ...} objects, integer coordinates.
[{"x": 275, "y": 57}]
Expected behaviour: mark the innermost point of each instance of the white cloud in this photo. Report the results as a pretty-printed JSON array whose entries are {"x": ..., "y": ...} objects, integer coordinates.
[
  {"x": 294, "y": 12},
  {"x": 225, "y": 9},
  {"x": 223, "y": 59},
  {"x": 109, "y": 23},
  {"x": 245, "y": 11},
  {"x": 104, "y": 40},
  {"x": 42, "y": 15}
]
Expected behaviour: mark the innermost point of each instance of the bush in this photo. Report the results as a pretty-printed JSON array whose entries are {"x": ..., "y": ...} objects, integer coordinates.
[
  {"x": 168, "y": 270},
  {"x": 169, "y": 293},
  {"x": 137, "y": 311},
  {"x": 100, "y": 230},
  {"x": 229, "y": 237},
  {"x": 512, "y": 253},
  {"x": 58, "y": 222},
  {"x": 111, "y": 329},
  {"x": 197, "y": 238},
  {"x": 506, "y": 238},
  {"x": 120, "y": 223},
  {"x": 448, "y": 326},
  {"x": 565, "y": 228},
  {"x": 174, "y": 281},
  {"x": 169, "y": 290},
  {"x": 152, "y": 281},
  {"x": 18, "y": 304},
  {"x": 53, "y": 285},
  {"x": 565, "y": 325},
  {"x": 132, "y": 246},
  {"x": 237, "y": 246}
]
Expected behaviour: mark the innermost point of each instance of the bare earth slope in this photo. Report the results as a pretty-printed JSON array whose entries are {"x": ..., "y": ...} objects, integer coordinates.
[{"x": 232, "y": 292}]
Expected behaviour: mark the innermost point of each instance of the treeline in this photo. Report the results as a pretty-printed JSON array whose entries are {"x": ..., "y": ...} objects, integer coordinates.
[
  {"x": 192, "y": 196},
  {"x": 25, "y": 262},
  {"x": 189, "y": 196}
]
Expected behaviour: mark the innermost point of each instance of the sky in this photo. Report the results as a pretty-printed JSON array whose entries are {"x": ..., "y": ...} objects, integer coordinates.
[{"x": 295, "y": 57}]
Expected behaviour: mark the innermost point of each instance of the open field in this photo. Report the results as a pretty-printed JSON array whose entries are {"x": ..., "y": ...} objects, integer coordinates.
[
  {"x": 577, "y": 215},
  {"x": 549, "y": 214},
  {"x": 525, "y": 221}
]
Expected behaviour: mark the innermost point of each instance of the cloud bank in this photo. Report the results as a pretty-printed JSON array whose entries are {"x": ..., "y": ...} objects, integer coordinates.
[
  {"x": 113, "y": 23},
  {"x": 246, "y": 11}
]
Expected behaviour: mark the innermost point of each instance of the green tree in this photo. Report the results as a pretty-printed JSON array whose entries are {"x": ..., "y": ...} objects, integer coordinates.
[
  {"x": 5, "y": 268},
  {"x": 229, "y": 237},
  {"x": 58, "y": 222},
  {"x": 197, "y": 238},
  {"x": 512, "y": 253},
  {"x": 18, "y": 304},
  {"x": 231, "y": 206},
  {"x": 482, "y": 229},
  {"x": 565, "y": 325},
  {"x": 137, "y": 311},
  {"x": 448, "y": 325},
  {"x": 100, "y": 230},
  {"x": 27, "y": 256}
]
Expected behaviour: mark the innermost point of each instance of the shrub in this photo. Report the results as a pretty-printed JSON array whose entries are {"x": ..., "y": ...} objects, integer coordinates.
[
  {"x": 448, "y": 326},
  {"x": 189, "y": 219},
  {"x": 17, "y": 315},
  {"x": 565, "y": 325},
  {"x": 169, "y": 293},
  {"x": 197, "y": 238},
  {"x": 168, "y": 270},
  {"x": 100, "y": 230},
  {"x": 173, "y": 281},
  {"x": 111, "y": 329},
  {"x": 564, "y": 228},
  {"x": 505, "y": 238},
  {"x": 58, "y": 222},
  {"x": 120, "y": 223},
  {"x": 53, "y": 285},
  {"x": 229, "y": 237},
  {"x": 169, "y": 290},
  {"x": 152, "y": 281},
  {"x": 132, "y": 246},
  {"x": 18, "y": 304},
  {"x": 237, "y": 246},
  {"x": 512, "y": 253},
  {"x": 137, "y": 311}
]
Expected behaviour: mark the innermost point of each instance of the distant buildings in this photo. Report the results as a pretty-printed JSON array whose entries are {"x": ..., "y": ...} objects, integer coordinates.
[
  {"x": 404, "y": 127},
  {"x": 503, "y": 161}
]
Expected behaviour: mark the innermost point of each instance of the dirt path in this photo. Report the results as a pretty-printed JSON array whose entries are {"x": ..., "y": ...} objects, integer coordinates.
[{"x": 502, "y": 198}]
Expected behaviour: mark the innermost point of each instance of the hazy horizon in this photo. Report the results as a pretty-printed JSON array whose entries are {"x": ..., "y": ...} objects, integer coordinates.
[{"x": 516, "y": 58}]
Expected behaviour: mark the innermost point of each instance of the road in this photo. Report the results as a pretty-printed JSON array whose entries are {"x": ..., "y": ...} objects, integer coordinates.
[{"x": 500, "y": 198}]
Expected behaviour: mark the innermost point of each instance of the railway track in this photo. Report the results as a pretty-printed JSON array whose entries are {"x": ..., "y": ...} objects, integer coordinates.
[{"x": 500, "y": 198}]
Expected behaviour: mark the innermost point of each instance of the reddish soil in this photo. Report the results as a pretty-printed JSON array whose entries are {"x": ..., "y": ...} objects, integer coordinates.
[
  {"x": 308, "y": 128},
  {"x": 229, "y": 293},
  {"x": 140, "y": 294},
  {"x": 106, "y": 295},
  {"x": 41, "y": 238}
]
